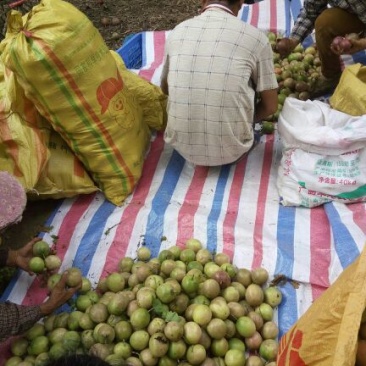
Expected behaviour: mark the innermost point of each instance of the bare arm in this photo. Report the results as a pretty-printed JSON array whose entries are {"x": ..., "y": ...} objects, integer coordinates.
[
  {"x": 164, "y": 76},
  {"x": 164, "y": 86},
  {"x": 267, "y": 105},
  {"x": 16, "y": 319}
]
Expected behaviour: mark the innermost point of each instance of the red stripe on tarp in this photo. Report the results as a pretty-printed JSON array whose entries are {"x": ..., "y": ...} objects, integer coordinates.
[
  {"x": 273, "y": 17},
  {"x": 159, "y": 44},
  {"x": 359, "y": 214},
  {"x": 37, "y": 292},
  {"x": 233, "y": 209},
  {"x": 255, "y": 15},
  {"x": 261, "y": 202},
  {"x": 320, "y": 251},
  {"x": 127, "y": 222},
  {"x": 190, "y": 205}
]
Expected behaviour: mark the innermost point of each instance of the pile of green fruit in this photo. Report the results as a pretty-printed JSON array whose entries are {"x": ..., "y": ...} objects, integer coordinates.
[
  {"x": 188, "y": 306},
  {"x": 295, "y": 74}
]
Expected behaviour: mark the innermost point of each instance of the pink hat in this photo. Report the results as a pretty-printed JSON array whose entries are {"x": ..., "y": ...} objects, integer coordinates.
[{"x": 12, "y": 200}]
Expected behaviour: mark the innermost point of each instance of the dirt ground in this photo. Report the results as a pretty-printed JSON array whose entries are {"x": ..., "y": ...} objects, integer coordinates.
[
  {"x": 117, "y": 19},
  {"x": 135, "y": 16}
]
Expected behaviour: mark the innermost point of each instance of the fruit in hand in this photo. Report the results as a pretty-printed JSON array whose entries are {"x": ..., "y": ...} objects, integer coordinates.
[
  {"x": 37, "y": 265},
  {"x": 41, "y": 249}
]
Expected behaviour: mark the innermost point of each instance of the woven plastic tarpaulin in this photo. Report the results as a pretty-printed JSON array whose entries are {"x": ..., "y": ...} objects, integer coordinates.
[{"x": 234, "y": 209}]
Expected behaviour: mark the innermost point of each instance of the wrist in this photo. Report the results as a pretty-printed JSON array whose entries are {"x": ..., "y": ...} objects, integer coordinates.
[
  {"x": 47, "y": 308},
  {"x": 10, "y": 257},
  {"x": 294, "y": 42},
  {"x": 363, "y": 43}
]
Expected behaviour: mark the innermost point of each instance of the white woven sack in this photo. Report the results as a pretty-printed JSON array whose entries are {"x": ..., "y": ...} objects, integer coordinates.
[
  {"x": 324, "y": 155},
  {"x": 315, "y": 127}
]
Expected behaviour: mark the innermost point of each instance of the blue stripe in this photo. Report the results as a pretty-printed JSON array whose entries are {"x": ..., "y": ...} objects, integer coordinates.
[
  {"x": 89, "y": 243},
  {"x": 359, "y": 57},
  {"x": 216, "y": 208},
  {"x": 9, "y": 288},
  {"x": 162, "y": 198},
  {"x": 288, "y": 23},
  {"x": 344, "y": 243},
  {"x": 245, "y": 14},
  {"x": 296, "y": 6},
  {"x": 287, "y": 311},
  {"x": 143, "y": 47},
  {"x": 92, "y": 237}
]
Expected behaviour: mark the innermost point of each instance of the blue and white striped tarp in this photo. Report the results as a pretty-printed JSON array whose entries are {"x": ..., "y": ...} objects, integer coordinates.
[{"x": 234, "y": 209}]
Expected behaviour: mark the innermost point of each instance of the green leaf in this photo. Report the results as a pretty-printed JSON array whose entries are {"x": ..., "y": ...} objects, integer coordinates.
[
  {"x": 159, "y": 308},
  {"x": 172, "y": 316}
]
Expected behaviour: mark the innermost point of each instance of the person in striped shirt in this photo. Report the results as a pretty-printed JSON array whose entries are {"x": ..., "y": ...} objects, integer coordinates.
[{"x": 329, "y": 19}]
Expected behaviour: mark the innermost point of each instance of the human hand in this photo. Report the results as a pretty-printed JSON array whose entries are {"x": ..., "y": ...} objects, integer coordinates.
[
  {"x": 21, "y": 257},
  {"x": 285, "y": 46},
  {"x": 59, "y": 295},
  {"x": 347, "y": 45},
  {"x": 357, "y": 45}
]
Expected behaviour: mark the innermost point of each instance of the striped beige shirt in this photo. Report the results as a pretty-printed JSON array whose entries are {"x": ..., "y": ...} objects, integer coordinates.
[{"x": 214, "y": 64}]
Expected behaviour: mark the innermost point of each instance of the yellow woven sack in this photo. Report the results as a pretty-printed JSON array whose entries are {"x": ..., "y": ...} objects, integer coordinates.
[
  {"x": 23, "y": 134},
  {"x": 350, "y": 94},
  {"x": 150, "y": 97},
  {"x": 67, "y": 71},
  {"x": 64, "y": 175},
  {"x": 327, "y": 334}
]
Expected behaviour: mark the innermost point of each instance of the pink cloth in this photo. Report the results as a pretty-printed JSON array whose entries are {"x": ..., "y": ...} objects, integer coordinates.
[{"x": 12, "y": 200}]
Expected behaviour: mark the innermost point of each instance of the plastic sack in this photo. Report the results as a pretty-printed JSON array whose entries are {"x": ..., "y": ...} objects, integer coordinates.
[
  {"x": 67, "y": 71},
  {"x": 324, "y": 155},
  {"x": 350, "y": 94},
  {"x": 23, "y": 133},
  {"x": 327, "y": 333},
  {"x": 64, "y": 175},
  {"x": 150, "y": 97}
]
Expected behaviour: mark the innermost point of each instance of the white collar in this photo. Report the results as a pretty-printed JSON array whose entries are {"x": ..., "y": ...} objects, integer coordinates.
[{"x": 223, "y": 7}]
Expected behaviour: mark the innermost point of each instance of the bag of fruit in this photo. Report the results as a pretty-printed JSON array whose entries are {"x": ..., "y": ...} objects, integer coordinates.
[
  {"x": 350, "y": 95},
  {"x": 324, "y": 155},
  {"x": 328, "y": 333},
  {"x": 23, "y": 133},
  {"x": 150, "y": 97},
  {"x": 64, "y": 175},
  {"x": 68, "y": 72}
]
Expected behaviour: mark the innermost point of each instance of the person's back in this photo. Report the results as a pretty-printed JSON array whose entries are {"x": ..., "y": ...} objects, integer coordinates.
[{"x": 215, "y": 64}]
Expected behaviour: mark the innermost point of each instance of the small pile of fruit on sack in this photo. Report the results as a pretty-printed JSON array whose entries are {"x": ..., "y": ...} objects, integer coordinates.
[
  {"x": 187, "y": 306},
  {"x": 297, "y": 72}
]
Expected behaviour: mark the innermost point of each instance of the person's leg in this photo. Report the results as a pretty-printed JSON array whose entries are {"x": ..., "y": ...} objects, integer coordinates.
[{"x": 333, "y": 22}]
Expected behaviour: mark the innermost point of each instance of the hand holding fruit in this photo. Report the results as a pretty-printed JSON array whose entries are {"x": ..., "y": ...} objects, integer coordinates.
[
  {"x": 60, "y": 293},
  {"x": 348, "y": 45},
  {"x": 21, "y": 257},
  {"x": 285, "y": 46}
]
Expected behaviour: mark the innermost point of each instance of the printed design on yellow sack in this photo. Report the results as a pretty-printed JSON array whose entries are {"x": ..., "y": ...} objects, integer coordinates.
[
  {"x": 112, "y": 100},
  {"x": 291, "y": 356}
]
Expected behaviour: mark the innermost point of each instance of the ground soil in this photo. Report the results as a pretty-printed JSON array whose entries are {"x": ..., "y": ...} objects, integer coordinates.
[{"x": 130, "y": 16}]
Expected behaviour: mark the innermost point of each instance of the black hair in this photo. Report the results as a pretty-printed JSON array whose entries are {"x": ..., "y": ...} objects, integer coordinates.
[{"x": 79, "y": 360}]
